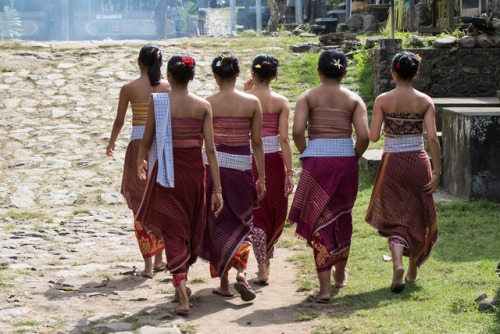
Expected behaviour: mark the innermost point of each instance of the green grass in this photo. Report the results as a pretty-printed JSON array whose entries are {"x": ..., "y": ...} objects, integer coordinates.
[{"x": 461, "y": 266}]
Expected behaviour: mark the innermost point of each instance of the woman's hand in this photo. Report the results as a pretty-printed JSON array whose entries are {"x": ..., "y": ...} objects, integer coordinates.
[
  {"x": 142, "y": 168},
  {"x": 261, "y": 190},
  {"x": 248, "y": 85},
  {"x": 431, "y": 187},
  {"x": 110, "y": 149},
  {"x": 288, "y": 185},
  {"x": 217, "y": 203}
]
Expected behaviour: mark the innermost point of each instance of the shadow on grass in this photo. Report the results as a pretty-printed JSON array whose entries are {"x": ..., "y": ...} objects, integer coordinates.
[
  {"x": 344, "y": 306},
  {"x": 468, "y": 231}
]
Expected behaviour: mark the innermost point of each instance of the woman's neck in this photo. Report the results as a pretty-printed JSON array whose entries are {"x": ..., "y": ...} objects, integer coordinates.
[{"x": 227, "y": 85}]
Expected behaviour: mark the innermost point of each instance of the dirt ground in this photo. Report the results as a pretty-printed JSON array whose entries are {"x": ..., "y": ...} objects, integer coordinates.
[{"x": 66, "y": 235}]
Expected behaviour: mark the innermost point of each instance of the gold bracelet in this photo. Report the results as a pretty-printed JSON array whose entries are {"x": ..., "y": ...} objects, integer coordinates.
[
  {"x": 217, "y": 191},
  {"x": 289, "y": 172}
]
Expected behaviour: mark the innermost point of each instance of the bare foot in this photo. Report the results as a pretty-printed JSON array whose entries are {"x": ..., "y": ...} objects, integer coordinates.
[
  {"x": 411, "y": 279},
  {"x": 176, "y": 295},
  {"x": 398, "y": 275},
  {"x": 339, "y": 281},
  {"x": 183, "y": 311},
  {"x": 322, "y": 299}
]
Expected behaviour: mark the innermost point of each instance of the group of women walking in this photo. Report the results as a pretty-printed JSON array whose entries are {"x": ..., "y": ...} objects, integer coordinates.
[{"x": 211, "y": 177}]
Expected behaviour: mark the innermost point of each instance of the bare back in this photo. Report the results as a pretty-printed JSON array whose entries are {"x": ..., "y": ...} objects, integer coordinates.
[
  {"x": 404, "y": 101},
  {"x": 336, "y": 97},
  {"x": 139, "y": 90},
  {"x": 233, "y": 103},
  {"x": 188, "y": 106},
  {"x": 271, "y": 102}
]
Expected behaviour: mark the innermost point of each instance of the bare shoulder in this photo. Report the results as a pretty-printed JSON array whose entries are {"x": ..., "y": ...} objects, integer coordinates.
[
  {"x": 424, "y": 97},
  {"x": 203, "y": 103},
  {"x": 164, "y": 86},
  {"x": 249, "y": 98},
  {"x": 279, "y": 97}
]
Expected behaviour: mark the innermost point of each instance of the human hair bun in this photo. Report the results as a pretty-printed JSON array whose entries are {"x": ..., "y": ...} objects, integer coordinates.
[
  {"x": 265, "y": 66},
  {"x": 332, "y": 63},
  {"x": 405, "y": 64},
  {"x": 152, "y": 57},
  {"x": 182, "y": 67},
  {"x": 226, "y": 65}
]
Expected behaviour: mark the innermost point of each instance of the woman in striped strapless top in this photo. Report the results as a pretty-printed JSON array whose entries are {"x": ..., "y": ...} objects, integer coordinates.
[
  {"x": 269, "y": 217},
  {"x": 237, "y": 122},
  {"x": 401, "y": 206},
  {"x": 328, "y": 185},
  {"x": 174, "y": 204},
  {"x": 137, "y": 94}
]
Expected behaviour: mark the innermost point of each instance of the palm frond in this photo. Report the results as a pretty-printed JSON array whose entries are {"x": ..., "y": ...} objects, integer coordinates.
[{"x": 10, "y": 23}]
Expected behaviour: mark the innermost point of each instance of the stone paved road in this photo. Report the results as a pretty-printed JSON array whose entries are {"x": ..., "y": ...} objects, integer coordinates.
[{"x": 65, "y": 233}]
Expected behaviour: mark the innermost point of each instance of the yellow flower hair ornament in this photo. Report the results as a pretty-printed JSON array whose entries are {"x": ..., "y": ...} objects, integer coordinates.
[
  {"x": 337, "y": 63},
  {"x": 258, "y": 66}
]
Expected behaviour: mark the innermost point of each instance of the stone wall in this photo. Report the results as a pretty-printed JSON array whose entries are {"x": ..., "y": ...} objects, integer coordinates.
[
  {"x": 494, "y": 6},
  {"x": 444, "y": 72}
]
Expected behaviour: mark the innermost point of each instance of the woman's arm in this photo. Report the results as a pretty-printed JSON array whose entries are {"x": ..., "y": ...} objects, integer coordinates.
[
  {"x": 434, "y": 148},
  {"x": 360, "y": 122},
  {"x": 258, "y": 149},
  {"x": 119, "y": 120},
  {"x": 147, "y": 140},
  {"x": 213, "y": 163},
  {"x": 286, "y": 147},
  {"x": 300, "y": 119},
  {"x": 377, "y": 120}
]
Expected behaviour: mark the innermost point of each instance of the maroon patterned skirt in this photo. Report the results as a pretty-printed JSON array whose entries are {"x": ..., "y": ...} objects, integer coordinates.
[
  {"x": 132, "y": 187},
  {"x": 326, "y": 191},
  {"x": 399, "y": 207},
  {"x": 271, "y": 214},
  {"x": 178, "y": 213}
]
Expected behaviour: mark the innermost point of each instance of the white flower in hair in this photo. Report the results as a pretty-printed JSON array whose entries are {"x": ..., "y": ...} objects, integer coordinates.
[
  {"x": 337, "y": 63},
  {"x": 218, "y": 64}
]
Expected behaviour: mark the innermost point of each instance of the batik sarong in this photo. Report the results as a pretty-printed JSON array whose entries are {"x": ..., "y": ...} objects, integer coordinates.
[
  {"x": 224, "y": 235},
  {"x": 133, "y": 189},
  {"x": 179, "y": 212},
  {"x": 269, "y": 218},
  {"x": 323, "y": 202},
  {"x": 240, "y": 256},
  {"x": 399, "y": 207}
]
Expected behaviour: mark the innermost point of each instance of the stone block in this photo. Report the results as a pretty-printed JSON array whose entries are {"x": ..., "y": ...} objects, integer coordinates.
[
  {"x": 370, "y": 161},
  {"x": 471, "y": 151},
  {"x": 483, "y": 41},
  {"x": 370, "y": 23},
  {"x": 308, "y": 47},
  {"x": 355, "y": 22},
  {"x": 467, "y": 42},
  {"x": 445, "y": 42},
  {"x": 470, "y": 102},
  {"x": 370, "y": 42}
]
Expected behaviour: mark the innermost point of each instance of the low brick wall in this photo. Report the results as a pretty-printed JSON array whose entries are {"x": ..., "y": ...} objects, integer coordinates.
[{"x": 443, "y": 72}]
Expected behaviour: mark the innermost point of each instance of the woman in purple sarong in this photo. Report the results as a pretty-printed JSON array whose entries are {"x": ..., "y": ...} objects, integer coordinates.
[
  {"x": 269, "y": 218},
  {"x": 401, "y": 206},
  {"x": 137, "y": 94},
  {"x": 237, "y": 121},
  {"x": 328, "y": 185}
]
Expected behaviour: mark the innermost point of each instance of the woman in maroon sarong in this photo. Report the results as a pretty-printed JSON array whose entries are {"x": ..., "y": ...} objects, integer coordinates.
[
  {"x": 237, "y": 121},
  {"x": 328, "y": 186},
  {"x": 137, "y": 94},
  {"x": 401, "y": 206},
  {"x": 269, "y": 218},
  {"x": 174, "y": 202}
]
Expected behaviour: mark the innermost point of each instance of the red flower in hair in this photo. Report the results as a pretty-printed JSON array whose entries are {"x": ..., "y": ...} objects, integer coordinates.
[
  {"x": 398, "y": 65},
  {"x": 188, "y": 61}
]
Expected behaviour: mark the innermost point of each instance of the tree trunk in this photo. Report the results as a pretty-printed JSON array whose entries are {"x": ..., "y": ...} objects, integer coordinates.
[{"x": 272, "y": 24}]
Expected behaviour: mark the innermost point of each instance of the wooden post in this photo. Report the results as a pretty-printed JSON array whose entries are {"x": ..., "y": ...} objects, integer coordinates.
[
  {"x": 258, "y": 15},
  {"x": 393, "y": 24},
  {"x": 412, "y": 15},
  {"x": 299, "y": 16},
  {"x": 232, "y": 8},
  {"x": 451, "y": 14}
]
